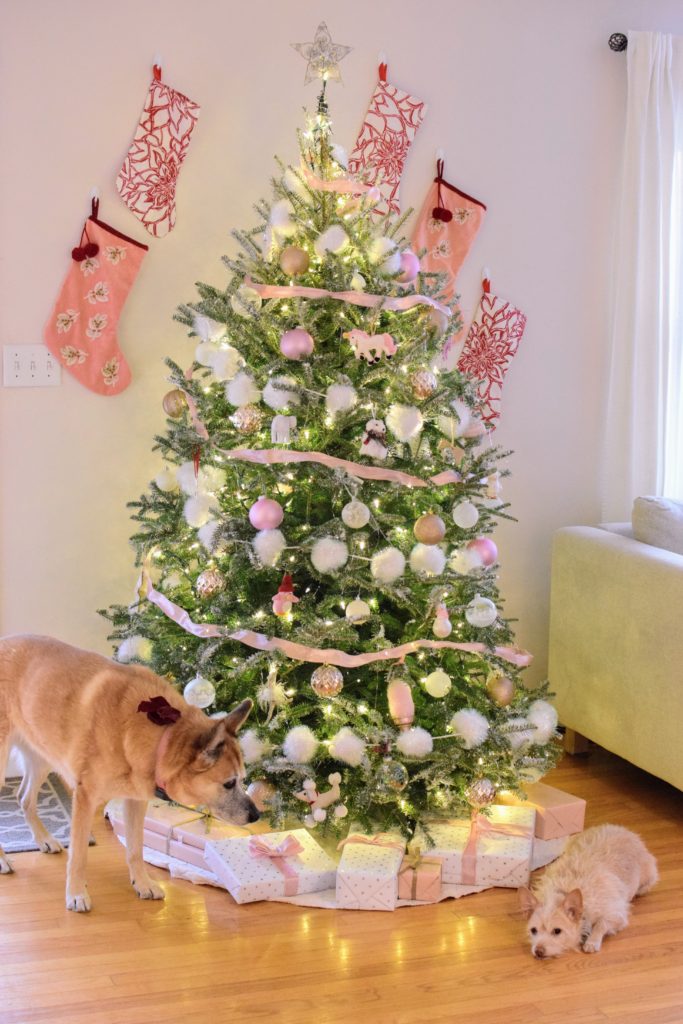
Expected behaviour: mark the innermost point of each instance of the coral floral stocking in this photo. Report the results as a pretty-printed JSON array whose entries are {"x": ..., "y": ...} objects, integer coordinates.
[{"x": 81, "y": 331}]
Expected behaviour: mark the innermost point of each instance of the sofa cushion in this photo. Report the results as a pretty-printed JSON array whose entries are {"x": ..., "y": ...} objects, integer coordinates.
[{"x": 659, "y": 522}]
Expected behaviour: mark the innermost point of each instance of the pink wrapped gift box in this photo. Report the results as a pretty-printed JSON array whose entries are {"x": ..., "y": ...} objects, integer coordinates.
[
  {"x": 419, "y": 879},
  {"x": 160, "y": 817},
  {"x": 367, "y": 875},
  {"x": 557, "y": 814},
  {"x": 263, "y": 867},
  {"x": 493, "y": 850}
]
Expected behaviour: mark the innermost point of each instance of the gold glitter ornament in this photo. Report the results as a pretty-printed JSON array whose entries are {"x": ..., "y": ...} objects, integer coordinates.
[
  {"x": 429, "y": 529},
  {"x": 247, "y": 419},
  {"x": 423, "y": 383},
  {"x": 294, "y": 260},
  {"x": 327, "y": 681},
  {"x": 209, "y": 583},
  {"x": 174, "y": 403},
  {"x": 501, "y": 689}
]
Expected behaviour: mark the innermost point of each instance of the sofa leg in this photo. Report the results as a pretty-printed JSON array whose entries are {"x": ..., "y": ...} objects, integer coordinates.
[{"x": 574, "y": 742}]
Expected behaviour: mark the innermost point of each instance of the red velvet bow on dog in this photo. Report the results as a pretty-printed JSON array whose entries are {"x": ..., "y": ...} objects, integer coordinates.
[{"x": 159, "y": 711}]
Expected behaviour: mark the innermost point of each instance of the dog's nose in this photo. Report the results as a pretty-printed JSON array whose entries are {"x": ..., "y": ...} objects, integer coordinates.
[
  {"x": 253, "y": 814},
  {"x": 539, "y": 952}
]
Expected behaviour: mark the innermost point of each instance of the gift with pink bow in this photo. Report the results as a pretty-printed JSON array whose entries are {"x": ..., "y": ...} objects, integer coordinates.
[
  {"x": 272, "y": 865},
  {"x": 486, "y": 850},
  {"x": 367, "y": 875}
]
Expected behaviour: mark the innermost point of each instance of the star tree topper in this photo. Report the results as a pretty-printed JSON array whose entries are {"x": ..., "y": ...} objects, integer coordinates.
[{"x": 322, "y": 55}]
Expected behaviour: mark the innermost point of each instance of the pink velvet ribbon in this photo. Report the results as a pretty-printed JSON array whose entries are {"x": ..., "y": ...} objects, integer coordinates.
[
  {"x": 316, "y": 655},
  {"x": 296, "y": 291},
  {"x": 481, "y": 826},
  {"x": 272, "y": 456},
  {"x": 289, "y": 847},
  {"x": 384, "y": 839}
]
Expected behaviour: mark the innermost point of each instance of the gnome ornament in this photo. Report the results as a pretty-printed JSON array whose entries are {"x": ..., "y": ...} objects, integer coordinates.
[
  {"x": 285, "y": 597},
  {"x": 374, "y": 442}
]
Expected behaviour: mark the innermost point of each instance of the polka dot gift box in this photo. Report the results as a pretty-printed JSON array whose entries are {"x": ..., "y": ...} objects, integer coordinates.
[
  {"x": 367, "y": 875},
  {"x": 491, "y": 850}
]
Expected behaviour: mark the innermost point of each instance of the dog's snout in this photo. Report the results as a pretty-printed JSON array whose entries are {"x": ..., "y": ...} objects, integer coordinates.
[
  {"x": 254, "y": 814},
  {"x": 539, "y": 952}
]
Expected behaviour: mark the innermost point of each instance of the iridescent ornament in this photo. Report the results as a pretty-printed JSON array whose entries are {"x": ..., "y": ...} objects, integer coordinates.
[
  {"x": 327, "y": 681},
  {"x": 429, "y": 529},
  {"x": 294, "y": 260},
  {"x": 391, "y": 779},
  {"x": 174, "y": 403},
  {"x": 481, "y": 612},
  {"x": 423, "y": 383},
  {"x": 209, "y": 583},
  {"x": 480, "y": 793},
  {"x": 355, "y": 514},
  {"x": 247, "y": 419},
  {"x": 199, "y": 692},
  {"x": 501, "y": 689}
]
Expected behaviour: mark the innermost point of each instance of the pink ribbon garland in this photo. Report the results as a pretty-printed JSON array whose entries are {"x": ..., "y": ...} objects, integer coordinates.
[
  {"x": 343, "y": 185},
  {"x": 289, "y": 847},
  {"x": 296, "y": 291},
  {"x": 384, "y": 839},
  {"x": 271, "y": 456},
  {"x": 317, "y": 655},
  {"x": 481, "y": 826}
]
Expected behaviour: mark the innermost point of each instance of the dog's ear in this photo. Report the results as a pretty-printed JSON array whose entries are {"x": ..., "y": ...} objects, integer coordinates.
[
  {"x": 527, "y": 901},
  {"x": 238, "y": 716},
  {"x": 210, "y": 746},
  {"x": 572, "y": 904}
]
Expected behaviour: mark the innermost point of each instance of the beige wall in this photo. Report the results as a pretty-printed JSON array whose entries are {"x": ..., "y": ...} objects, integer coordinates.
[{"x": 524, "y": 96}]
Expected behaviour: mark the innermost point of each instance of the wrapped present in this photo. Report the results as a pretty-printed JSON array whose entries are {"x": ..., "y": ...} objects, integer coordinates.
[
  {"x": 160, "y": 817},
  {"x": 266, "y": 866},
  {"x": 557, "y": 814},
  {"x": 419, "y": 877},
  {"x": 493, "y": 850},
  {"x": 367, "y": 875}
]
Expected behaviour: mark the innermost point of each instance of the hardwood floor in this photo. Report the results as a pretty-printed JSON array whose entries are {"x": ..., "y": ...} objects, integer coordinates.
[{"x": 197, "y": 957}]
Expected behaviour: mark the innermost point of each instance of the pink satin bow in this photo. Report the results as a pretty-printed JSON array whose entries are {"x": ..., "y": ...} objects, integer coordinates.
[
  {"x": 381, "y": 839},
  {"x": 481, "y": 826},
  {"x": 289, "y": 847}
]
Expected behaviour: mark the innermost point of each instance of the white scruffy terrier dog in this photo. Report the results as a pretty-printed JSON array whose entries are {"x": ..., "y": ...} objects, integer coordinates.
[{"x": 586, "y": 894}]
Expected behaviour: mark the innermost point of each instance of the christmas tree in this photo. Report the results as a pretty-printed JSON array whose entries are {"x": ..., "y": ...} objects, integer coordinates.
[{"x": 319, "y": 537}]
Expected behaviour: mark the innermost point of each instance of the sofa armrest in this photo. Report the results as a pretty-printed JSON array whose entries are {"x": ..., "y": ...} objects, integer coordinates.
[{"x": 616, "y": 645}]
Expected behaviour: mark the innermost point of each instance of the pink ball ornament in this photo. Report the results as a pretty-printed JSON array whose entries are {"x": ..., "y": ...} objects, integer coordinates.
[
  {"x": 410, "y": 267},
  {"x": 484, "y": 549},
  {"x": 265, "y": 514},
  {"x": 296, "y": 344}
]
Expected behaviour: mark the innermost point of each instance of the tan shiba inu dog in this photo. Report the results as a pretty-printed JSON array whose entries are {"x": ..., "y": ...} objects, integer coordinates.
[
  {"x": 78, "y": 713},
  {"x": 586, "y": 894}
]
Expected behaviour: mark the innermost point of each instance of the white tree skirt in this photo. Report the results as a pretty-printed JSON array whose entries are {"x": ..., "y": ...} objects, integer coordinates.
[{"x": 545, "y": 851}]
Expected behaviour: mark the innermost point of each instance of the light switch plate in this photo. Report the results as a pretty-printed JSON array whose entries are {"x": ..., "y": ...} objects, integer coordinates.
[{"x": 30, "y": 366}]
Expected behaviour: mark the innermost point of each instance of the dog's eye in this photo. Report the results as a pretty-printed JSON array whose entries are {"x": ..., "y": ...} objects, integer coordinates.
[
  {"x": 230, "y": 785},
  {"x": 557, "y": 931},
  {"x": 533, "y": 930}
]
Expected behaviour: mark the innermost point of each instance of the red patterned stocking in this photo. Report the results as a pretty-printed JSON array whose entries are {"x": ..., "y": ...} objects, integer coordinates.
[
  {"x": 147, "y": 180},
  {"x": 492, "y": 341},
  {"x": 390, "y": 126}
]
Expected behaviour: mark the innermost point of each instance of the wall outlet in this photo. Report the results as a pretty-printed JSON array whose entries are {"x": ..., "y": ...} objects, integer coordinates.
[{"x": 30, "y": 366}]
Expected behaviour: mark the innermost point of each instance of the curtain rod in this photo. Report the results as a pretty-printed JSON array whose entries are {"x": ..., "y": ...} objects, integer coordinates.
[{"x": 618, "y": 42}]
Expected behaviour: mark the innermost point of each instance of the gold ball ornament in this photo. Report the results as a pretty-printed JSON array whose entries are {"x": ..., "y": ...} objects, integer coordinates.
[
  {"x": 261, "y": 793},
  {"x": 438, "y": 683},
  {"x": 423, "y": 383},
  {"x": 391, "y": 779},
  {"x": 327, "y": 681},
  {"x": 429, "y": 529},
  {"x": 480, "y": 793},
  {"x": 247, "y": 419},
  {"x": 209, "y": 583},
  {"x": 174, "y": 403},
  {"x": 501, "y": 689},
  {"x": 294, "y": 261}
]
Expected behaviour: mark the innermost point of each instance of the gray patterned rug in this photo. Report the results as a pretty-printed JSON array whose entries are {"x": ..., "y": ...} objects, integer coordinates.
[{"x": 54, "y": 809}]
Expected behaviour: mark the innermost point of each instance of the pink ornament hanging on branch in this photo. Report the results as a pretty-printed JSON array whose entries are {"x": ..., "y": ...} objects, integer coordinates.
[{"x": 401, "y": 704}]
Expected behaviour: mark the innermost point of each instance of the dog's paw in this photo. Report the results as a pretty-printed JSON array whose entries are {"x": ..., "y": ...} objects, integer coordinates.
[
  {"x": 50, "y": 845},
  {"x": 591, "y": 946},
  {"x": 5, "y": 866},
  {"x": 149, "y": 890},
  {"x": 79, "y": 902}
]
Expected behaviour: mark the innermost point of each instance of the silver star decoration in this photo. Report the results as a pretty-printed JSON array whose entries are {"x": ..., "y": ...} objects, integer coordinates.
[{"x": 322, "y": 55}]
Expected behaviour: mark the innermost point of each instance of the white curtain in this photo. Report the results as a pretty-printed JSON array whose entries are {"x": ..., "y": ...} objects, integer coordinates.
[{"x": 644, "y": 409}]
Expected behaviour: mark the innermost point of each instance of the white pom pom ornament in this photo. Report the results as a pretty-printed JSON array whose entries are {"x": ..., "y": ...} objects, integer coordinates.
[
  {"x": 300, "y": 745},
  {"x": 340, "y": 398},
  {"x": 521, "y": 735},
  {"x": 415, "y": 742},
  {"x": 226, "y": 363},
  {"x": 427, "y": 560},
  {"x": 388, "y": 565},
  {"x": 347, "y": 747},
  {"x": 471, "y": 726},
  {"x": 334, "y": 239},
  {"x": 269, "y": 545},
  {"x": 199, "y": 510},
  {"x": 253, "y": 747},
  {"x": 404, "y": 421},
  {"x": 206, "y": 533},
  {"x": 278, "y": 393},
  {"x": 134, "y": 648},
  {"x": 329, "y": 554},
  {"x": 166, "y": 480},
  {"x": 383, "y": 252},
  {"x": 242, "y": 390},
  {"x": 206, "y": 352},
  {"x": 208, "y": 480},
  {"x": 543, "y": 717}
]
